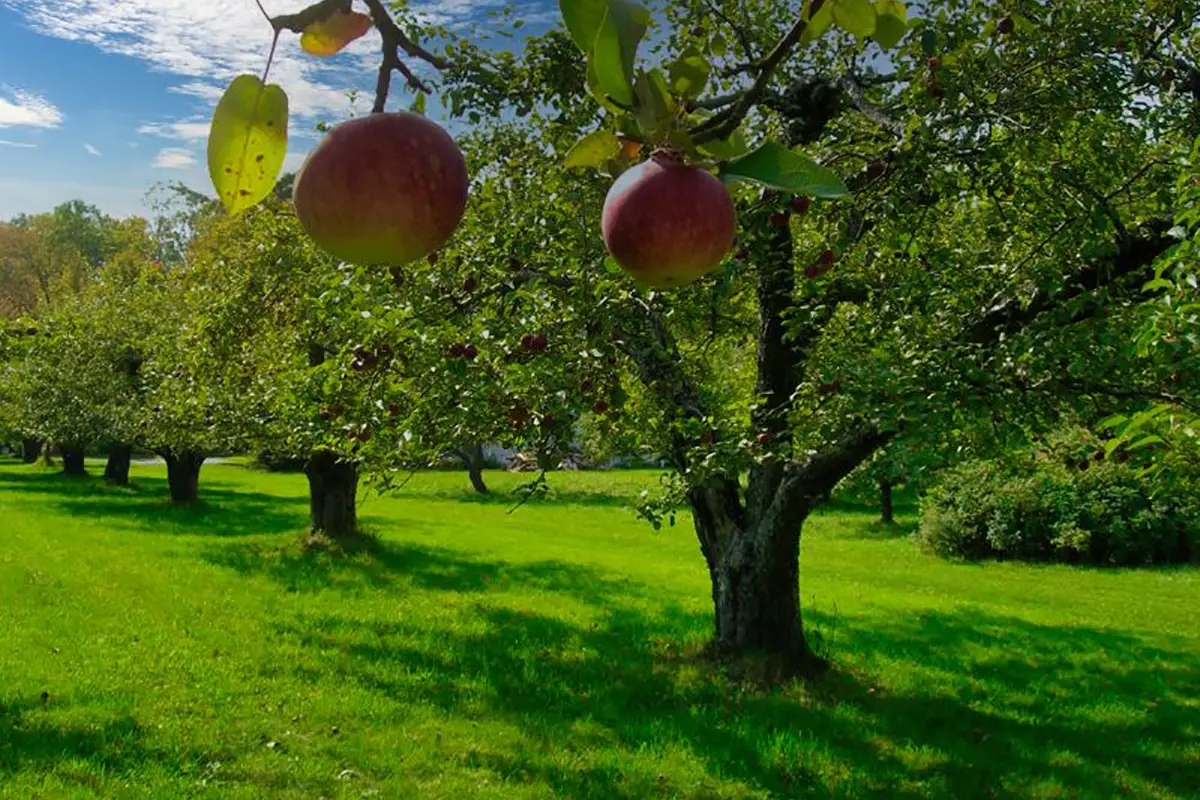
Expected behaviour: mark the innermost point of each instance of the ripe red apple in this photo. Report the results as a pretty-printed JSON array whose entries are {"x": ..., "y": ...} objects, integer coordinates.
[
  {"x": 601, "y": 407},
  {"x": 827, "y": 258},
  {"x": 667, "y": 224},
  {"x": 764, "y": 438},
  {"x": 801, "y": 205},
  {"x": 457, "y": 350},
  {"x": 1006, "y": 26},
  {"x": 470, "y": 352},
  {"x": 812, "y": 271},
  {"x": 934, "y": 63},
  {"x": 382, "y": 189},
  {"x": 781, "y": 219}
]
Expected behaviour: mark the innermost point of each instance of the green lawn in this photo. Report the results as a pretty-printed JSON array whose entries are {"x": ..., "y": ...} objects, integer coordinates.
[{"x": 538, "y": 654}]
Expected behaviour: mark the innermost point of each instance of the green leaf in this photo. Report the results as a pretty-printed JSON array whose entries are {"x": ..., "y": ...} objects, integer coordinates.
[
  {"x": 418, "y": 104},
  {"x": 597, "y": 92},
  {"x": 1146, "y": 441},
  {"x": 889, "y": 24},
  {"x": 818, "y": 23},
  {"x": 777, "y": 167},
  {"x": 615, "y": 49},
  {"x": 583, "y": 18},
  {"x": 247, "y": 142},
  {"x": 689, "y": 73},
  {"x": 593, "y": 150},
  {"x": 856, "y": 17},
  {"x": 718, "y": 46},
  {"x": 929, "y": 41},
  {"x": 726, "y": 149},
  {"x": 654, "y": 104}
]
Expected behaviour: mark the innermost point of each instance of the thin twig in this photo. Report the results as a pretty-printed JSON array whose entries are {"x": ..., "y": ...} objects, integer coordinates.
[{"x": 725, "y": 123}]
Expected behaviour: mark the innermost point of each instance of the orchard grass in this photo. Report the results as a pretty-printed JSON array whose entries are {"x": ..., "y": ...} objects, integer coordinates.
[{"x": 553, "y": 652}]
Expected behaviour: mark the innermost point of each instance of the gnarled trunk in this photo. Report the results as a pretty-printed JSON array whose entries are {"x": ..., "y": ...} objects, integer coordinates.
[
  {"x": 31, "y": 450},
  {"x": 886, "y": 513},
  {"x": 755, "y": 574},
  {"x": 116, "y": 471},
  {"x": 72, "y": 459},
  {"x": 183, "y": 474},
  {"x": 332, "y": 494},
  {"x": 472, "y": 456}
]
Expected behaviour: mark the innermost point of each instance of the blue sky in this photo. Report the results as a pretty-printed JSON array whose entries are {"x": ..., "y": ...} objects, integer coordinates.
[{"x": 100, "y": 99}]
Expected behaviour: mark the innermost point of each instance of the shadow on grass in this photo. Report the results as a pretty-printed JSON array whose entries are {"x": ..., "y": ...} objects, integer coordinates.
[
  {"x": 618, "y": 497},
  {"x": 1000, "y": 706},
  {"x": 144, "y": 506},
  {"x": 31, "y": 739}
]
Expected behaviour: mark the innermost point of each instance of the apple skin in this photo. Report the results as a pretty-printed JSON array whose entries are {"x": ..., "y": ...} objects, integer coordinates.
[
  {"x": 382, "y": 189},
  {"x": 667, "y": 224}
]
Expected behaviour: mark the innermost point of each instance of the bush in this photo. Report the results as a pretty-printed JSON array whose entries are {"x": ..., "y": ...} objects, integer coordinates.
[{"x": 1042, "y": 510}]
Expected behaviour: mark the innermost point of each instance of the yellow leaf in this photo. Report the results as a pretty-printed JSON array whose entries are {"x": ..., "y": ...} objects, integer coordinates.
[{"x": 330, "y": 36}]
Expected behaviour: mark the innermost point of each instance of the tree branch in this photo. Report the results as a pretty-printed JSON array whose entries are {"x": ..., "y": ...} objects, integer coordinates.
[{"x": 724, "y": 124}]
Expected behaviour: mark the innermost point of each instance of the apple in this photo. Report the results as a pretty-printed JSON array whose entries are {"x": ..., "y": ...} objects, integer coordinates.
[
  {"x": 827, "y": 258},
  {"x": 764, "y": 438},
  {"x": 601, "y": 407},
  {"x": 470, "y": 352},
  {"x": 801, "y": 205},
  {"x": 812, "y": 271},
  {"x": 934, "y": 63},
  {"x": 1006, "y": 26},
  {"x": 382, "y": 189},
  {"x": 781, "y": 219},
  {"x": 667, "y": 224}
]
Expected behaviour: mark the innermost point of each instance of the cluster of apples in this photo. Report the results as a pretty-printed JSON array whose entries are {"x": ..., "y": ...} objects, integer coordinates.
[{"x": 391, "y": 188}]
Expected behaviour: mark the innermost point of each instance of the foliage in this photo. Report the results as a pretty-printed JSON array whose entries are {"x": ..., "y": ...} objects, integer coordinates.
[{"x": 1062, "y": 502}]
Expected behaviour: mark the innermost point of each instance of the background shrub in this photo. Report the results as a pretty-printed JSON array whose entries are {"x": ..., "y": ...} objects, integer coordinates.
[{"x": 1098, "y": 512}]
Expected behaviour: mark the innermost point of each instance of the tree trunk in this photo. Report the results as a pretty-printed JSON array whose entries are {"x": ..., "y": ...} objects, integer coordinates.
[
  {"x": 755, "y": 574},
  {"x": 183, "y": 474},
  {"x": 333, "y": 494},
  {"x": 116, "y": 471},
  {"x": 31, "y": 450},
  {"x": 472, "y": 456},
  {"x": 885, "y": 503},
  {"x": 72, "y": 460}
]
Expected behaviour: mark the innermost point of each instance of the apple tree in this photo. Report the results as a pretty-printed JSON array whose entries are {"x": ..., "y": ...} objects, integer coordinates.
[{"x": 950, "y": 212}]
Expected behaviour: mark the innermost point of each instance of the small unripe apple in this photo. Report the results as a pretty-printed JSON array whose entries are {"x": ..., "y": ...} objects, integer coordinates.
[
  {"x": 667, "y": 224},
  {"x": 801, "y": 205},
  {"x": 382, "y": 189}
]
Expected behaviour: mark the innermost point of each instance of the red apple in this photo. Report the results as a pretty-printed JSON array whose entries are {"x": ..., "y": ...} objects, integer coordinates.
[
  {"x": 667, "y": 224},
  {"x": 801, "y": 205},
  {"x": 764, "y": 438},
  {"x": 382, "y": 189},
  {"x": 781, "y": 219}
]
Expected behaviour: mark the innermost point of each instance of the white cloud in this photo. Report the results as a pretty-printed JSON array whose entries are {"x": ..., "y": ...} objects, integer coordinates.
[
  {"x": 175, "y": 158},
  {"x": 91, "y": 149},
  {"x": 27, "y": 109},
  {"x": 207, "y": 44},
  {"x": 7, "y": 143},
  {"x": 187, "y": 130}
]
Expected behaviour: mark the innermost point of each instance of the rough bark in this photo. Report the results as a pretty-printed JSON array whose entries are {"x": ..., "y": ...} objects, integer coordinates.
[
  {"x": 72, "y": 459},
  {"x": 886, "y": 513},
  {"x": 31, "y": 450},
  {"x": 183, "y": 474},
  {"x": 333, "y": 494},
  {"x": 472, "y": 456},
  {"x": 116, "y": 471}
]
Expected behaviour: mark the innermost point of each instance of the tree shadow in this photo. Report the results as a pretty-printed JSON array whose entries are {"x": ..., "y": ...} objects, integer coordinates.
[
  {"x": 997, "y": 704},
  {"x": 145, "y": 505},
  {"x": 380, "y": 564},
  {"x": 31, "y": 739}
]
